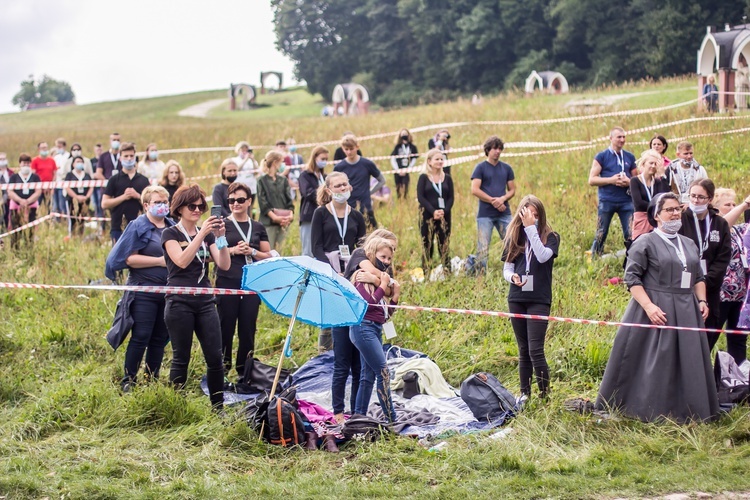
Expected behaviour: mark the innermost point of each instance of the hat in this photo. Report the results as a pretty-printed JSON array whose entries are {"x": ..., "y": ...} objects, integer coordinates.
[{"x": 652, "y": 206}]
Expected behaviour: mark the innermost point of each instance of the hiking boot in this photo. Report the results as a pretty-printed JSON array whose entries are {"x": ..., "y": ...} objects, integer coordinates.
[
  {"x": 312, "y": 440},
  {"x": 329, "y": 444}
]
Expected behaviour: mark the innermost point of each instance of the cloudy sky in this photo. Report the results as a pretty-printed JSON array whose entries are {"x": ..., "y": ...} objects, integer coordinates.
[{"x": 109, "y": 50}]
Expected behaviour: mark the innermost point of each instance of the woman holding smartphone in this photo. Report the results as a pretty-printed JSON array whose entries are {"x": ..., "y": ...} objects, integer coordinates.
[{"x": 530, "y": 250}]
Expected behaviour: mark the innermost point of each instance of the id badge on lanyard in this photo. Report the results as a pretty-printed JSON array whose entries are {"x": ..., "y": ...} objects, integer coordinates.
[{"x": 528, "y": 285}]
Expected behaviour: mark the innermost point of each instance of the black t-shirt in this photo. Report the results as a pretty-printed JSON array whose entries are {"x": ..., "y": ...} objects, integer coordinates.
[
  {"x": 70, "y": 176},
  {"x": 128, "y": 209},
  {"x": 16, "y": 178},
  {"x": 156, "y": 275},
  {"x": 233, "y": 238},
  {"x": 171, "y": 189},
  {"x": 325, "y": 233},
  {"x": 178, "y": 276},
  {"x": 542, "y": 273}
]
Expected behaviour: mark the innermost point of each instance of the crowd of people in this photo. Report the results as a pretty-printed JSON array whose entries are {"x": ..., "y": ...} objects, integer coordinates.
[{"x": 686, "y": 262}]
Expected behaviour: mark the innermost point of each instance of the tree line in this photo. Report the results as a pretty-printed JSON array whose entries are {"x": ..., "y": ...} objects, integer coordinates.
[{"x": 410, "y": 50}]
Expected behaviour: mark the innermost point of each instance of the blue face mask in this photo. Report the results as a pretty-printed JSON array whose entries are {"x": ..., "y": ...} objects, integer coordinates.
[
  {"x": 128, "y": 164},
  {"x": 79, "y": 166},
  {"x": 153, "y": 155},
  {"x": 115, "y": 145},
  {"x": 160, "y": 210},
  {"x": 321, "y": 163}
]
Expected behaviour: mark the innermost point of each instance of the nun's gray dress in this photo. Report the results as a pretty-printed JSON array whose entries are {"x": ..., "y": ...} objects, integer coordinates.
[{"x": 653, "y": 373}]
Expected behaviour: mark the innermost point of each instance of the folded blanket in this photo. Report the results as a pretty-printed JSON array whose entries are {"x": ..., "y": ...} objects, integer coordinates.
[{"x": 431, "y": 379}]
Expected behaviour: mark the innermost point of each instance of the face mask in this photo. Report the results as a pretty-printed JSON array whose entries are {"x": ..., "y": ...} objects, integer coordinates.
[
  {"x": 115, "y": 145},
  {"x": 128, "y": 164},
  {"x": 341, "y": 197},
  {"x": 160, "y": 210},
  {"x": 231, "y": 178},
  {"x": 4, "y": 164},
  {"x": 321, "y": 163},
  {"x": 79, "y": 166},
  {"x": 76, "y": 154},
  {"x": 404, "y": 137},
  {"x": 698, "y": 209},
  {"x": 153, "y": 155},
  {"x": 380, "y": 265},
  {"x": 670, "y": 226},
  {"x": 282, "y": 167},
  {"x": 44, "y": 154},
  {"x": 292, "y": 149},
  {"x": 26, "y": 170},
  {"x": 536, "y": 223}
]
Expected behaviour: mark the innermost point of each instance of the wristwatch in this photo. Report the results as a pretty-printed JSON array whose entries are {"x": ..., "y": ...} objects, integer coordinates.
[
  {"x": 701, "y": 300},
  {"x": 254, "y": 253}
]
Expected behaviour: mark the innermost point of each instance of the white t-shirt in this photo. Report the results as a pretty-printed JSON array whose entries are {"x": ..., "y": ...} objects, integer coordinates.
[
  {"x": 151, "y": 169},
  {"x": 246, "y": 175}
]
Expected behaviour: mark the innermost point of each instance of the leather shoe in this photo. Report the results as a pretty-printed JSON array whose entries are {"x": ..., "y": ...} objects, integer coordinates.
[{"x": 312, "y": 441}]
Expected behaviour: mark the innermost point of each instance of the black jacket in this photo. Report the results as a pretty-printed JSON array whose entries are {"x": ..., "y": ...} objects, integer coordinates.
[{"x": 308, "y": 190}]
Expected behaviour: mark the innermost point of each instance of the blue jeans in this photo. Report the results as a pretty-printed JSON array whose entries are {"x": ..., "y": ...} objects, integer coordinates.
[
  {"x": 58, "y": 201},
  {"x": 346, "y": 358},
  {"x": 149, "y": 335},
  {"x": 624, "y": 209},
  {"x": 368, "y": 338},
  {"x": 485, "y": 225}
]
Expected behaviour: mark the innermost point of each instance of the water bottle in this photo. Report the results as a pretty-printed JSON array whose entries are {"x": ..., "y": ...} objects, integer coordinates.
[
  {"x": 438, "y": 447},
  {"x": 502, "y": 433}
]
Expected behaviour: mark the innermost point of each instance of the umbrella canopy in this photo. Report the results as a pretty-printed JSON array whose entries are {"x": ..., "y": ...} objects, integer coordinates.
[{"x": 327, "y": 301}]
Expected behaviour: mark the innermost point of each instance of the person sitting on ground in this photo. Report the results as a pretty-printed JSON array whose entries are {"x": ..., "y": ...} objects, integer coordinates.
[
  {"x": 172, "y": 178},
  {"x": 228, "y": 176},
  {"x": 151, "y": 166},
  {"x": 275, "y": 200},
  {"x": 78, "y": 198},
  {"x": 643, "y": 188},
  {"x": 683, "y": 171},
  {"x": 403, "y": 156}
]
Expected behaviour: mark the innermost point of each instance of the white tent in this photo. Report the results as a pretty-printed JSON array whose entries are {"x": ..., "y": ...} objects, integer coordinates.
[{"x": 350, "y": 98}]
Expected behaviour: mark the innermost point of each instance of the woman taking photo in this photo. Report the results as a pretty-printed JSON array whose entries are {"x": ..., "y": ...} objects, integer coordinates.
[
  {"x": 710, "y": 233},
  {"x": 248, "y": 243},
  {"x": 530, "y": 251},
  {"x": 274, "y": 200},
  {"x": 228, "y": 176},
  {"x": 311, "y": 178},
  {"x": 367, "y": 337},
  {"x": 655, "y": 373},
  {"x": 78, "y": 198},
  {"x": 408, "y": 154},
  {"x": 435, "y": 195},
  {"x": 734, "y": 285},
  {"x": 187, "y": 249},
  {"x": 172, "y": 178},
  {"x": 643, "y": 188},
  {"x": 336, "y": 230},
  {"x": 139, "y": 250}
]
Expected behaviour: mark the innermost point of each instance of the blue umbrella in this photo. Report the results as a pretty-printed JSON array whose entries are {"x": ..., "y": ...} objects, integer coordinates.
[{"x": 304, "y": 289}]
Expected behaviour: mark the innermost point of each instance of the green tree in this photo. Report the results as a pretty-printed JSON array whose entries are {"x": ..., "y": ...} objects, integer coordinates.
[{"x": 41, "y": 91}]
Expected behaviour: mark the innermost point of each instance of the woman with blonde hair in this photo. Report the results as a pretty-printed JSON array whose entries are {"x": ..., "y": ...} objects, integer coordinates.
[
  {"x": 530, "y": 250},
  {"x": 228, "y": 176},
  {"x": 274, "y": 200},
  {"x": 310, "y": 181},
  {"x": 172, "y": 178},
  {"x": 435, "y": 195},
  {"x": 643, "y": 187}
]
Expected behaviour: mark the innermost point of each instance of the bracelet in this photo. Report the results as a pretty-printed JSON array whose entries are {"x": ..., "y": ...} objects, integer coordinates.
[
  {"x": 701, "y": 300},
  {"x": 221, "y": 242}
]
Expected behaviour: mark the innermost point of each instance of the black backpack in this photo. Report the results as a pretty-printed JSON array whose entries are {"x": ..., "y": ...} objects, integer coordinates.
[
  {"x": 279, "y": 418},
  {"x": 363, "y": 427},
  {"x": 486, "y": 397}
]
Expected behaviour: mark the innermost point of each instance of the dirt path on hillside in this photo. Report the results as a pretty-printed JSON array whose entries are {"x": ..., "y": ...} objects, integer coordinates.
[{"x": 201, "y": 110}]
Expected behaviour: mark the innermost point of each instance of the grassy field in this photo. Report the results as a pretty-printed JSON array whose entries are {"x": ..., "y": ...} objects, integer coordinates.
[{"x": 68, "y": 432}]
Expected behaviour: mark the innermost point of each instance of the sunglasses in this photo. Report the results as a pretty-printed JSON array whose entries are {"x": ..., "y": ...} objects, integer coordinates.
[
  {"x": 232, "y": 201},
  {"x": 193, "y": 207}
]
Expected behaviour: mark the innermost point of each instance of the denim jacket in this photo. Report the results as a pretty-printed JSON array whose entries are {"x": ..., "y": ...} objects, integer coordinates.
[{"x": 134, "y": 238}]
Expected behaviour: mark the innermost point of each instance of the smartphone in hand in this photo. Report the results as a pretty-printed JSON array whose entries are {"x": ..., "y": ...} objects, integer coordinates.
[{"x": 216, "y": 211}]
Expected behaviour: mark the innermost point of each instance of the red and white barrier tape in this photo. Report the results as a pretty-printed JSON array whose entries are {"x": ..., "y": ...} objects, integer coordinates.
[
  {"x": 49, "y": 216},
  {"x": 448, "y": 310}
]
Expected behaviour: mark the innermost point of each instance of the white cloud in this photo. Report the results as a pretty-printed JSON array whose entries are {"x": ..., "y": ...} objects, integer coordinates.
[{"x": 111, "y": 50}]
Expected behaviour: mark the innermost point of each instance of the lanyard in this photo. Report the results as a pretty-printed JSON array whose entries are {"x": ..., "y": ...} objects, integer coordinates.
[
  {"x": 115, "y": 159},
  {"x": 680, "y": 251},
  {"x": 620, "y": 159},
  {"x": 245, "y": 237},
  {"x": 197, "y": 254},
  {"x": 438, "y": 188},
  {"x": 704, "y": 240},
  {"x": 649, "y": 190},
  {"x": 342, "y": 231},
  {"x": 321, "y": 180},
  {"x": 529, "y": 253}
]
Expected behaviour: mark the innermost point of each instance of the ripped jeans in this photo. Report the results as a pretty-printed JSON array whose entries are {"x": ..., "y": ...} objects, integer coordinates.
[{"x": 368, "y": 339}]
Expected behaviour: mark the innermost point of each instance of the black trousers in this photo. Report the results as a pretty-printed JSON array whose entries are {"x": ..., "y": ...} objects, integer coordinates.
[
  {"x": 184, "y": 315},
  {"x": 431, "y": 229},
  {"x": 402, "y": 185},
  {"x": 729, "y": 314},
  {"x": 530, "y": 336},
  {"x": 240, "y": 312}
]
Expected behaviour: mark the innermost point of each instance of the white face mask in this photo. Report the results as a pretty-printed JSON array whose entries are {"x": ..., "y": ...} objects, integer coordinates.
[
  {"x": 698, "y": 209},
  {"x": 341, "y": 197},
  {"x": 25, "y": 170},
  {"x": 670, "y": 226}
]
